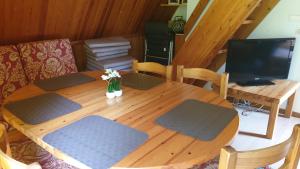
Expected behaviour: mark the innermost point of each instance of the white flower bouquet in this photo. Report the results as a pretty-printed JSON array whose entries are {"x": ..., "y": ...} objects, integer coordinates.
[{"x": 114, "y": 84}]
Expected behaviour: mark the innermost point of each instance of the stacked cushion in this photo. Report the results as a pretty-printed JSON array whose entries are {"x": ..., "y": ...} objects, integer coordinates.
[
  {"x": 47, "y": 59},
  {"x": 12, "y": 76}
]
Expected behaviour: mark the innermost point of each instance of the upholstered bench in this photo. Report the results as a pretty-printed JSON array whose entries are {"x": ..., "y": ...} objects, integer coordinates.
[
  {"x": 22, "y": 64},
  {"x": 27, "y": 62}
]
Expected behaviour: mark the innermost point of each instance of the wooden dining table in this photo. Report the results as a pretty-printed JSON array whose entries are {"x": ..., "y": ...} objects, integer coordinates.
[{"x": 137, "y": 109}]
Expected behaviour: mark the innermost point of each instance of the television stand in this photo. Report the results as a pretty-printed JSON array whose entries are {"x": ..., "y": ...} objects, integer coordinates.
[
  {"x": 269, "y": 95},
  {"x": 260, "y": 82}
]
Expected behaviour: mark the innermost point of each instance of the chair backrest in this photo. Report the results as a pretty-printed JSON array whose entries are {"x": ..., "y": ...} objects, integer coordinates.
[
  {"x": 231, "y": 159},
  {"x": 6, "y": 162},
  {"x": 153, "y": 67},
  {"x": 219, "y": 80}
]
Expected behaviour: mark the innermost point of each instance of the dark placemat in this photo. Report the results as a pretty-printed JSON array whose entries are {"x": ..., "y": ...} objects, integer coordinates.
[
  {"x": 141, "y": 81},
  {"x": 96, "y": 142},
  {"x": 42, "y": 108},
  {"x": 65, "y": 81},
  {"x": 197, "y": 119}
]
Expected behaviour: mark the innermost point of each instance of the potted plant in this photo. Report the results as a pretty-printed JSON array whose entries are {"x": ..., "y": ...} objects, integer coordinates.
[
  {"x": 113, "y": 83},
  {"x": 117, "y": 87}
]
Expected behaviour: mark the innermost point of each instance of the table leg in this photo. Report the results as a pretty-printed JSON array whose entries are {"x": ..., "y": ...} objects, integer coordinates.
[
  {"x": 289, "y": 107},
  {"x": 272, "y": 120}
]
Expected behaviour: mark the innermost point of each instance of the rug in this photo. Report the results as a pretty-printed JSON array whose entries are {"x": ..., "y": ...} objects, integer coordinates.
[
  {"x": 214, "y": 163},
  {"x": 29, "y": 152}
]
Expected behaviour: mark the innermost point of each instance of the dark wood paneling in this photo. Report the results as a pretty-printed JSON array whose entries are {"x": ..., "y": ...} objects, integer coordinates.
[
  {"x": 30, "y": 20},
  {"x": 137, "y": 46}
]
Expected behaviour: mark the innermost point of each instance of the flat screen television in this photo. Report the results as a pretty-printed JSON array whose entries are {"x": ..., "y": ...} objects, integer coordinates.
[{"x": 257, "y": 59}]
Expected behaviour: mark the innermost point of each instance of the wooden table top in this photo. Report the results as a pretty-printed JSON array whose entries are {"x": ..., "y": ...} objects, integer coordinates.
[
  {"x": 137, "y": 109},
  {"x": 278, "y": 92}
]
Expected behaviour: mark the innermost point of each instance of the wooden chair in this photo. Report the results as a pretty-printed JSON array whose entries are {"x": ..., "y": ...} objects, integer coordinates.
[
  {"x": 231, "y": 159},
  {"x": 153, "y": 67},
  {"x": 6, "y": 162},
  {"x": 220, "y": 82}
]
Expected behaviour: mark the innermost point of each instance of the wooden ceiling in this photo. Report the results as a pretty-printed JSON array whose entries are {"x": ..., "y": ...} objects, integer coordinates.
[{"x": 29, "y": 20}]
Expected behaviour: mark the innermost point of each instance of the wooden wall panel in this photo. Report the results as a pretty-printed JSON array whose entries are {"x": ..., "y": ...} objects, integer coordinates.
[{"x": 30, "y": 20}]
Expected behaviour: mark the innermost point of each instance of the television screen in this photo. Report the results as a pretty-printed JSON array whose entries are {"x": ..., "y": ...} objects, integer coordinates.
[{"x": 252, "y": 59}]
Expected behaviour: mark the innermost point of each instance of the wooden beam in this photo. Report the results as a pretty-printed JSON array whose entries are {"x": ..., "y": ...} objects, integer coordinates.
[
  {"x": 256, "y": 17},
  {"x": 248, "y": 21},
  {"x": 262, "y": 10},
  {"x": 218, "y": 62},
  {"x": 180, "y": 38},
  {"x": 194, "y": 16},
  {"x": 218, "y": 24}
]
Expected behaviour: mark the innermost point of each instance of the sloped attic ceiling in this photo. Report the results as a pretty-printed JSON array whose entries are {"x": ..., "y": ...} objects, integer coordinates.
[{"x": 23, "y": 20}]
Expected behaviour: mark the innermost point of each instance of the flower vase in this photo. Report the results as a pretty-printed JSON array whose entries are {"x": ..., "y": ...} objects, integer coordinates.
[
  {"x": 110, "y": 90},
  {"x": 110, "y": 95},
  {"x": 118, "y": 93},
  {"x": 117, "y": 87}
]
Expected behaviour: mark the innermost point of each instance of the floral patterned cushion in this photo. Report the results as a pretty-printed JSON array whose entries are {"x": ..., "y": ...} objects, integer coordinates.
[
  {"x": 12, "y": 76},
  {"x": 47, "y": 59}
]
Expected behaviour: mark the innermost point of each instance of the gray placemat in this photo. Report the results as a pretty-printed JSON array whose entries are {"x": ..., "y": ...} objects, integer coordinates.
[
  {"x": 62, "y": 82},
  {"x": 141, "y": 81},
  {"x": 97, "y": 142},
  {"x": 42, "y": 108},
  {"x": 197, "y": 119}
]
